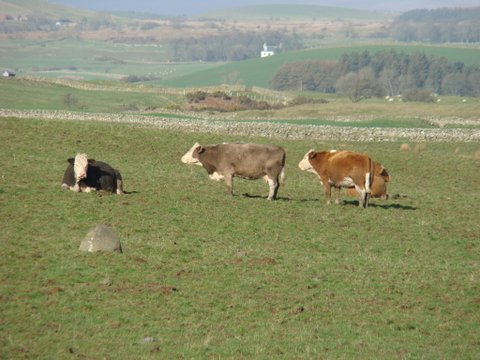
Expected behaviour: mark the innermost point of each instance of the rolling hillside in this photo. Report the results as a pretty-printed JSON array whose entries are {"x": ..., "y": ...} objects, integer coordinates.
[
  {"x": 16, "y": 8},
  {"x": 295, "y": 12},
  {"x": 258, "y": 72}
]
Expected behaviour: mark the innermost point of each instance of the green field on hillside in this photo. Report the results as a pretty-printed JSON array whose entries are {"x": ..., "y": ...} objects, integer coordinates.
[
  {"x": 41, "y": 7},
  {"x": 109, "y": 97},
  {"x": 85, "y": 59},
  {"x": 112, "y": 97},
  {"x": 259, "y": 72},
  {"x": 207, "y": 276},
  {"x": 93, "y": 60}
]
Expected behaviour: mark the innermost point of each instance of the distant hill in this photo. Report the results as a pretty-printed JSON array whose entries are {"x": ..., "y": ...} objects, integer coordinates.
[
  {"x": 195, "y": 7},
  {"x": 295, "y": 12},
  {"x": 26, "y": 8}
]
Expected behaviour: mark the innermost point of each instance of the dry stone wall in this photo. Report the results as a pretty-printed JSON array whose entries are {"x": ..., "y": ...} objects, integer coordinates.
[{"x": 261, "y": 129}]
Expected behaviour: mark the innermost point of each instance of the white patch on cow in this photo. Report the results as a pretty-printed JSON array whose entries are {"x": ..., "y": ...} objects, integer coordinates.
[
  {"x": 216, "y": 176},
  {"x": 367, "y": 183},
  {"x": 80, "y": 166},
  {"x": 346, "y": 182},
  {"x": 305, "y": 165},
  {"x": 188, "y": 157},
  {"x": 333, "y": 151}
]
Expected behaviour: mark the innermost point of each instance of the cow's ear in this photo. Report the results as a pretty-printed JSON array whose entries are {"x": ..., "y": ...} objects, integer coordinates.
[
  {"x": 312, "y": 154},
  {"x": 71, "y": 160},
  {"x": 199, "y": 149}
]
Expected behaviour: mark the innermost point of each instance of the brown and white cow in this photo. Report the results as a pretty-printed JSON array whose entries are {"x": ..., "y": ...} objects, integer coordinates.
[
  {"x": 84, "y": 175},
  {"x": 344, "y": 169},
  {"x": 248, "y": 161}
]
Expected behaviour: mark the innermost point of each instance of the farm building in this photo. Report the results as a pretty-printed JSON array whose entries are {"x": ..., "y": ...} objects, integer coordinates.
[
  {"x": 8, "y": 73},
  {"x": 268, "y": 50}
]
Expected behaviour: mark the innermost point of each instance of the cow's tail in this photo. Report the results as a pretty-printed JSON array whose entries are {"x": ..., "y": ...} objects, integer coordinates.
[
  {"x": 369, "y": 176},
  {"x": 281, "y": 178},
  {"x": 368, "y": 182},
  {"x": 282, "y": 172}
]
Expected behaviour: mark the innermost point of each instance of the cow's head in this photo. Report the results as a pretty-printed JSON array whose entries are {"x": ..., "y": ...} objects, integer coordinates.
[
  {"x": 80, "y": 167},
  {"x": 380, "y": 171},
  {"x": 305, "y": 163},
  {"x": 385, "y": 175},
  {"x": 191, "y": 156}
]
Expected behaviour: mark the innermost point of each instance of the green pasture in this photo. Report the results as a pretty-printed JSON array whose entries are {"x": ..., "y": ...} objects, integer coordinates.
[
  {"x": 90, "y": 60},
  {"x": 259, "y": 72},
  {"x": 108, "y": 97},
  {"x": 45, "y": 8},
  {"x": 112, "y": 97},
  {"x": 204, "y": 275},
  {"x": 73, "y": 58}
]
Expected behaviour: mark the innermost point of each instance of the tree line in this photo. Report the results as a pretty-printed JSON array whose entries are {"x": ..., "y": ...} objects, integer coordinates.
[
  {"x": 232, "y": 46},
  {"x": 438, "y": 25},
  {"x": 360, "y": 75}
]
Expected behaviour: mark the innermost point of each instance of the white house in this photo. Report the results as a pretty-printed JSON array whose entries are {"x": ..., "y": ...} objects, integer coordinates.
[
  {"x": 7, "y": 73},
  {"x": 268, "y": 50}
]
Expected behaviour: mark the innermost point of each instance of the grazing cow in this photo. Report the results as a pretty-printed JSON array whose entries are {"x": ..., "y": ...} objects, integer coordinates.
[
  {"x": 248, "y": 161},
  {"x": 85, "y": 175},
  {"x": 344, "y": 169}
]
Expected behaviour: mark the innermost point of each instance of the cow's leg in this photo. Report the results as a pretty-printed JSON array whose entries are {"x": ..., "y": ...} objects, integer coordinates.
[
  {"x": 328, "y": 191},
  {"x": 362, "y": 196},
  {"x": 107, "y": 183},
  {"x": 273, "y": 186},
  {"x": 337, "y": 195},
  {"x": 229, "y": 182}
]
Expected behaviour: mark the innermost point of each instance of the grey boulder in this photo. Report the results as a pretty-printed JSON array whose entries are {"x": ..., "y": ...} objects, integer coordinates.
[{"x": 101, "y": 238}]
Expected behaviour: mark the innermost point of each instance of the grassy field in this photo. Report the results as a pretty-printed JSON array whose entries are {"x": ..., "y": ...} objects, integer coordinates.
[
  {"x": 259, "y": 72},
  {"x": 73, "y": 58},
  {"x": 106, "y": 97},
  {"x": 207, "y": 276},
  {"x": 34, "y": 7},
  {"x": 90, "y": 59},
  {"x": 114, "y": 97}
]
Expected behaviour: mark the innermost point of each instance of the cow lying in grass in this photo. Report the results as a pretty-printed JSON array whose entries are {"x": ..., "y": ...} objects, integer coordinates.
[
  {"x": 85, "y": 175},
  {"x": 379, "y": 188},
  {"x": 346, "y": 169},
  {"x": 248, "y": 161}
]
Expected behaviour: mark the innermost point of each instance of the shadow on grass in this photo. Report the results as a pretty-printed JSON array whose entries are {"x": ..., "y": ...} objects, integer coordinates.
[
  {"x": 383, "y": 206},
  {"x": 344, "y": 202},
  {"x": 247, "y": 195}
]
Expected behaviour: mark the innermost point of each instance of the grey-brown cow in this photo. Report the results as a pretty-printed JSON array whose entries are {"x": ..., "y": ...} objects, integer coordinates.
[{"x": 248, "y": 161}]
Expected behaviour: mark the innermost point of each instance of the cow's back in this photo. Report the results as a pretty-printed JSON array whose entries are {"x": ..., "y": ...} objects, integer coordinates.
[
  {"x": 101, "y": 176},
  {"x": 250, "y": 160},
  {"x": 348, "y": 164}
]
